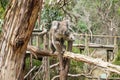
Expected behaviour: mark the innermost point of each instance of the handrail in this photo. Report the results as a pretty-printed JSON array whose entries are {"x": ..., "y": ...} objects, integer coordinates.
[{"x": 95, "y": 35}]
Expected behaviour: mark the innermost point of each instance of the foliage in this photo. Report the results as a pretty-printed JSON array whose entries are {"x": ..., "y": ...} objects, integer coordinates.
[
  {"x": 117, "y": 60},
  {"x": 49, "y": 14},
  {"x": 82, "y": 26},
  {"x": 119, "y": 11},
  {"x": 1, "y": 12},
  {"x": 34, "y": 62},
  {"x": 3, "y": 3}
]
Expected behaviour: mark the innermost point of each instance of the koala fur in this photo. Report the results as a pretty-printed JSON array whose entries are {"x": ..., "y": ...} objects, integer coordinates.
[{"x": 59, "y": 32}]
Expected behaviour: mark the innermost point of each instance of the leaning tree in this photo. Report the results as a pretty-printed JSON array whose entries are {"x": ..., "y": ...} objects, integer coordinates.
[{"x": 18, "y": 24}]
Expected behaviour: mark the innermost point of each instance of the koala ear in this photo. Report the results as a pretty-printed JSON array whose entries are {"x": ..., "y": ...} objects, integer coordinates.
[
  {"x": 67, "y": 23},
  {"x": 55, "y": 24},
  {"x": 58, "y": 25}
]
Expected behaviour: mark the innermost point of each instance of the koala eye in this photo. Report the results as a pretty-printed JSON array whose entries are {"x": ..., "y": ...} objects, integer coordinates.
[{"x": 67, "y": 33}]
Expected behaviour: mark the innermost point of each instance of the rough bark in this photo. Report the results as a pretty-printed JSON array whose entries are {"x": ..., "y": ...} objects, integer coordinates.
[
  {"x": 65, "y": 64},
  {"x": 18, "y": 24},
  {"x": 46, "y": 71},
  {"x": 61, "y": 62},
  {"x": 78, "y": 57}
]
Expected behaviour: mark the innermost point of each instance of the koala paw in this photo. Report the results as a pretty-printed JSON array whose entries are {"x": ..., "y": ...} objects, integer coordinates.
[
  {"x": 52, "y": 52},
  {"x": 62, "y": 52}
]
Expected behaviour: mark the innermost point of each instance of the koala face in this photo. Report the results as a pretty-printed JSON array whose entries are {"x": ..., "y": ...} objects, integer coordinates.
[
  {"x": 61, "y": 30},
  {"x": 70, "y": 37},
  {"x": 67, "y": 34}
]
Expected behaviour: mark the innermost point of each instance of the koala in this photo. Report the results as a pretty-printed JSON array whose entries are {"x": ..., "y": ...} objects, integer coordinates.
[{"x": 59, "y": 32}]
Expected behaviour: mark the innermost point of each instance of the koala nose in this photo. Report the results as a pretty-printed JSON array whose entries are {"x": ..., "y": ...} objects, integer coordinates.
[{"x": 72, "y": 38}]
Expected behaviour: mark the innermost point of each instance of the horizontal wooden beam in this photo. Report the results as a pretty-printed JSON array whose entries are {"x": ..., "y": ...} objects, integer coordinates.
[
  {"x": 37, "y": 31},
  {"x": 107, "y": 36},
  {"x": 111, "y": 47}
]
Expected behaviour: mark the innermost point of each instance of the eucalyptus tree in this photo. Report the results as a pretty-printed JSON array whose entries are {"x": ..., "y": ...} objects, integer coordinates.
[{"x": 19, "y": 21}]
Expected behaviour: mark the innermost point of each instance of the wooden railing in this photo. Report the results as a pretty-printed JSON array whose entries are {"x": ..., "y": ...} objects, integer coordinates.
[
  {"x": 107, "y": 41},
  {"x": 85, "y": 40}
]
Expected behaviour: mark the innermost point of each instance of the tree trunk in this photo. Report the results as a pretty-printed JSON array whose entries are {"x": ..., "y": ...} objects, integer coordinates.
[
  {"x": 64, "y": 63},
  {"x": 19, "y": 22}
]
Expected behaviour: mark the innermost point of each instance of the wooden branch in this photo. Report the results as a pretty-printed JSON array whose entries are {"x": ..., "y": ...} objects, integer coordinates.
[
  {"x": 29, "y": 72},
  {"x": 54, "y": 65},
  {"x": 85, "y": 75},
  {"x": 79, "y": 57},
  {"x": 98, "y": 62},
  {"x": 39, "y": 33},
  {"x": 38, "y": 52},
  {"x": 37, "y": 72},
  {"x": 76, "y": 75},
  {"x": 57, "y": 76}
]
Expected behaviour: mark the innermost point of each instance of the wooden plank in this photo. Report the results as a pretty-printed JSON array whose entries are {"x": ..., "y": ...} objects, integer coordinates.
[
  {"x": 94, "y": 46},
  {"x": 107, "y": 36}
]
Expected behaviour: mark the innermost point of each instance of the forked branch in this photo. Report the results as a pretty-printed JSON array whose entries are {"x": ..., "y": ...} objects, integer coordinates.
[{"x": 78, "y": 57}]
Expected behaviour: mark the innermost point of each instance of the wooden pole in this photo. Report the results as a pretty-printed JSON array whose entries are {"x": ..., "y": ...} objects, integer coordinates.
[
  {"x": 86, "y": 45},
  {"x": 46, "y": 70},
  {"x": 115, "y": 45}
]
